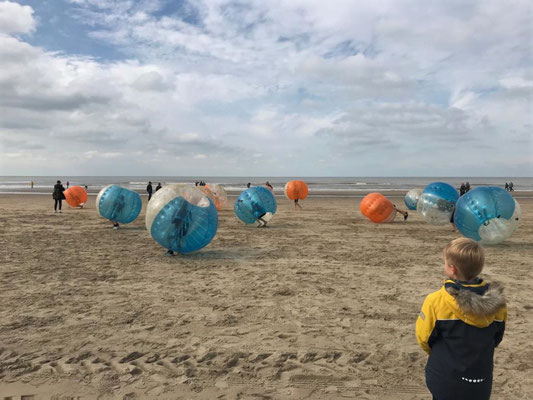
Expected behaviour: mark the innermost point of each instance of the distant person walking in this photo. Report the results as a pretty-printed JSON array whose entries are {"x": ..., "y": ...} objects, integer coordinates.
[
  {"x": 511, "y": 186},
  {"x": 149, "y": 190},
  {"x": 506, "y": 186},
  {"x": 268, "y": 185},
  {"x": 58, "y": 196},
  {"x": 248, "y": 184},
  {"x": 31, "y": 184},
  {"x": 467, "y": 187},
  {"x": 158, "y": 186},
  {"x": 68, "y": 184}
]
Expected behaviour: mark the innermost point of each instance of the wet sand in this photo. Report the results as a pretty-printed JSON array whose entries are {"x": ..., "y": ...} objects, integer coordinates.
[{"x": 321, "y": 304}]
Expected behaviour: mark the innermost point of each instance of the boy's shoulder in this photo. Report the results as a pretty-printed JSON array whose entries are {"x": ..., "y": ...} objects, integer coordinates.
[{"x": 436, "y": 294}]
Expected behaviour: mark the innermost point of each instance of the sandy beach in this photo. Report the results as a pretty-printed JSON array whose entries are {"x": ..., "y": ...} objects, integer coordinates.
[{"x": 322, "y": 304}]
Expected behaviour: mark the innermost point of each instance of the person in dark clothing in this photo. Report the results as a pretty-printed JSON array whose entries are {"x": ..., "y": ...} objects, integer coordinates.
[
  {"x": 58, "y": 196},
  {"x": 467, "y": 187},
  {"x": 511, "y": 186},
  {"x": 462, "y": 189},
  {"x": 506, "y": 186},
  {"x": 452, "y": 219},
  {"x": 149, "y": 190},
  {"x": 460, "y": 325},
  {"x": 158, "y": 186},
  {"x": 268, "y": 185},
  {"x": 248, "y": 184}
]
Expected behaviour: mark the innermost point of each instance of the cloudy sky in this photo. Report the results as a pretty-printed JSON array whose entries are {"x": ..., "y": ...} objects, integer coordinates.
[{"x": 266, "y": 87}]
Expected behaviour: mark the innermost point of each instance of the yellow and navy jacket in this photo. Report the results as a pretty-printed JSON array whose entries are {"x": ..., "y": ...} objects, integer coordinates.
[{"x": 459, "y": 327}]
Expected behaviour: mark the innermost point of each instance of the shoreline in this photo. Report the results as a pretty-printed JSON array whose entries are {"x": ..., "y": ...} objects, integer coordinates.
[{"x": 395, "y": 193}]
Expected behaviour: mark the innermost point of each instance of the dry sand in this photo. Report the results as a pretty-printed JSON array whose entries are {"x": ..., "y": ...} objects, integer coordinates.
[{"x": 321, "y": 304}]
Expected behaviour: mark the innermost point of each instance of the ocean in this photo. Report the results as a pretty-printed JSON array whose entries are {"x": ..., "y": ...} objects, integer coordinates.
[{"x": 318, "y": 186}]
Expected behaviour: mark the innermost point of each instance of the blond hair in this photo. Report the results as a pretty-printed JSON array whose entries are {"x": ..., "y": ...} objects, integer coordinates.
[{"x": 467, "y": 255}]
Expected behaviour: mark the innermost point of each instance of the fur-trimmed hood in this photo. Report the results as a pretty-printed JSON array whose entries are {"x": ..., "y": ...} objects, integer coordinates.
[
  {"x": 476, "y": 302},
  {"x": 486, "y": 303}
]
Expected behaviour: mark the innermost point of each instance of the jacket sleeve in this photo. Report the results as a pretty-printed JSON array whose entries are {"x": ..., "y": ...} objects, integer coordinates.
[
  {"x": 501, "y": 326},
  {"x": 425, "y": 324}
]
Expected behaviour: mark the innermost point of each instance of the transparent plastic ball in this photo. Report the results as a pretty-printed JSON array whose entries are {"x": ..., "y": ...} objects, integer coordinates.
[
  {"x": 411, "y": 198},
  {"x": 181, "y": 218},
  {"x": 437, "y": 203},
  {"x": 219, "y": 193},
  {"x": 255, "y": 202},
  {"x": 487, "y": 214},
  {"x": 118, "y": 204}
]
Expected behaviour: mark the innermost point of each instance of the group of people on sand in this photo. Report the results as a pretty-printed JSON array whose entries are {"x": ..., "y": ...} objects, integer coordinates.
[
  {"x": 464, "y": 188},
  {"x": 150, "y": 190},
  {"x": 509, "y": 186}
]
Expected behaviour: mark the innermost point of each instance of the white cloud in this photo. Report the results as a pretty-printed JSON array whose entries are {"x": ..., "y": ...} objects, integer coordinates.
[
  {"x": 304, "y": 80},
  {"x": 15, "y": 18}
]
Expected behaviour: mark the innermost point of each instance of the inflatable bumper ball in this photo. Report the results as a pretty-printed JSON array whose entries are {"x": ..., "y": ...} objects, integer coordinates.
[
  {"x": 377, "y": 208},
  {"x": 487, "y": 214},
  {"x": 254, "y": 203},
  {"x": 118, "y": 204},
  {"x": 181, "y": 218},
  {"x": 220, "y": 195},
  {"x": 437, "y": 203},
  {"x": 76, "y": 196},
  {"x": 296, "y": 190},
  {"x": 411, "y": 198}
]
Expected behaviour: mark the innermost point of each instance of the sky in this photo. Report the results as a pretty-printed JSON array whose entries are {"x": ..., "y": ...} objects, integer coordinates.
[{"x": 266, "y": 87}]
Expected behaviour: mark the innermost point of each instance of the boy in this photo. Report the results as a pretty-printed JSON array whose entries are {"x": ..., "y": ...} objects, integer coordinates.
[{"x": 460, "y": 325}]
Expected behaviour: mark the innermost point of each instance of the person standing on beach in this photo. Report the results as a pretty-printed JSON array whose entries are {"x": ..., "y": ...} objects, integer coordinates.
[
  {"x": 31, "y": 184},
  {"x": 268, "y": 185},
  {"x": 58, "y": 196},
  {"x": 460, "y": 325},
  {"x": 149, "y": 190},
  {"x": 68, "y": 184}
]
